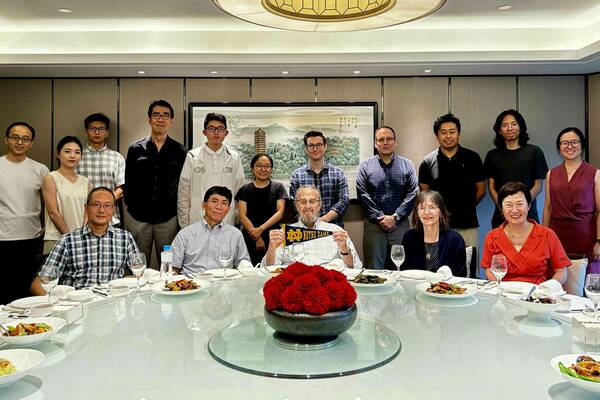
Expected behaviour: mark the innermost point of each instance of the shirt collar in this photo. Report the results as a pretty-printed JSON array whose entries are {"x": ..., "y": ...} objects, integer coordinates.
[
  {"x": 90, "y": 148},
  {"x": 384, "y": 164},
  {"x": 317, "y": 224},
  {"x": 86, "y": 231},
  {"x": 212, "y": 152},
  {"x": 325, "y": 166},
  {"x": 207, "y": 226}
]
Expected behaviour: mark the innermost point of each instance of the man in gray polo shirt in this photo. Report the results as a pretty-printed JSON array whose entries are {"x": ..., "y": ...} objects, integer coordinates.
[{"x": 196, "y": 247}]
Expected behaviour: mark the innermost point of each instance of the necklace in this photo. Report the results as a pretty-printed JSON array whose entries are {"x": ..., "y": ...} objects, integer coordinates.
[{"x": 518, "y": 239}]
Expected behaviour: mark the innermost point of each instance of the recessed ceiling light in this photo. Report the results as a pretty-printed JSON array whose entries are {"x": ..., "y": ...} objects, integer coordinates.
[
  {"x": 285, "y": 72},
  {"x": 214, "y": 72},
  {"x": 141, "y": 72},
  {"x": 504, "y": 7},
  {"x": 356, "y": 72},
  {"x": 428, "y": 71},
  {"x": 65, "y": 10}
]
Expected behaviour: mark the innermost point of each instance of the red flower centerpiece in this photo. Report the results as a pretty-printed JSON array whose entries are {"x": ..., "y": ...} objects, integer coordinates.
[{"x": 309, "y": 304}]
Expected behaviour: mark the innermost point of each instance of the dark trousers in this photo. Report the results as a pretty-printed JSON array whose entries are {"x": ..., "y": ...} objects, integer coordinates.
[{"x": 18, "y": 266}]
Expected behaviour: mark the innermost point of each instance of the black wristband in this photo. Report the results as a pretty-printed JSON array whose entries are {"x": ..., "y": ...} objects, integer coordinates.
[{"x": 344, "y": 254}]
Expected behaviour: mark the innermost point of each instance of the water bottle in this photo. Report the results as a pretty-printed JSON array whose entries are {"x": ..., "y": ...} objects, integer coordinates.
[{"x": 166, "y": 264}]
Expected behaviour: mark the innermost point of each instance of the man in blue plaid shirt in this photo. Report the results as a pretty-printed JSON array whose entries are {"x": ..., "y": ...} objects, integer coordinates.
[
  {"x": 329, "y": 179},
  {"x": 95, "y": 253}
]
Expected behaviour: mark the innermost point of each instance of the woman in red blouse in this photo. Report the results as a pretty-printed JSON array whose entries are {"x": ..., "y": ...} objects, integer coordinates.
[{"x": 533, "y": 251}]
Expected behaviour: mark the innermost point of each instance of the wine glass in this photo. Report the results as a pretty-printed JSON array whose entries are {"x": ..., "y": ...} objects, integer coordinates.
[
  {"x": 225, "y": 258},
  {"x": 137, "y": 265},
  {"x": 499, "y": 268},
  {"x": 49, "y": 280},
  {"x": 397, "y": 255},
  {"x": 592, "y": 290}
]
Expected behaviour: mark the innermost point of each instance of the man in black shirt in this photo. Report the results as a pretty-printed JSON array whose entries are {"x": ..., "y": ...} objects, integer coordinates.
[
  {"x": 513, "y": 160},
  {"x": 152, "y": 171},
  {"x": 457, "y": 173}
]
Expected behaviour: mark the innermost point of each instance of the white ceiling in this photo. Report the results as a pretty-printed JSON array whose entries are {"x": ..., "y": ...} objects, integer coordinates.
[{"x": 194, "y": 37}]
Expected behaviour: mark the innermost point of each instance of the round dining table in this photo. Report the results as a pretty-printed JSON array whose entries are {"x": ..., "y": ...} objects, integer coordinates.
[{"x": 155, "y": 347}]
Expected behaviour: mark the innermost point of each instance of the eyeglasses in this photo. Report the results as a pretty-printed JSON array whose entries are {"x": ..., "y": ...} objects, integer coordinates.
[
  {"x": 566, "y": 143},
  {"x": 311, "y": 202},
  {"x": 385, "y": 140},
  {"x": 315, "y": 146},
  {"x": 215, "y": 203},
  {"x": 161, "y": 116},
  {"x": 262, "y": 166},
  {"x": 96, "y": 129},
  {"x": 216, "y": 129},
  {"x": 515, "y": 206},
  {"x": 427, "y": 209},
  {"x": 22, "y": 139},
  {"x": 511, "y": 125},
  {"x": 98, "y": 206}
]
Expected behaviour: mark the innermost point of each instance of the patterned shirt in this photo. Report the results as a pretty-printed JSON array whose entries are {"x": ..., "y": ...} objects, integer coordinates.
[
  {"x": 332, "y": 184},
  {"x": 104, "y": 167},
  {"x": 84, "y": 259},
  {"x": 386, "y": 189}
]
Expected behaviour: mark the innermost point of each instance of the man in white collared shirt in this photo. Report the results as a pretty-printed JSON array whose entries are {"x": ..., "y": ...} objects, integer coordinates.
[
  {"x": 318, "y": 251},
  {"x": 196, "y": 247},
  {"x": 212, "y": 164}
]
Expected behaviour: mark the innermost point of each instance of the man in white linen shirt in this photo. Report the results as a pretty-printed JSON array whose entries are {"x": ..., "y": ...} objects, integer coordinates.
[
  {"x": 212, "y": 164},
  {"x": 318, "y": 251},
  {"x": 20, "y": 208},
  {"x": 196, "y": 247}
]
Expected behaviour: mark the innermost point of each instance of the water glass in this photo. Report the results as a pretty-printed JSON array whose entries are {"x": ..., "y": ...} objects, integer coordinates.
[
  {"x": 137, "y": 265},
  {"x": 225, "y": 258},
  {"x": 592, "y": 290},
  {"x": 499, "y": 268},
  {"x": 49, "y": 280},
  {"x": 397, "y": 255}
]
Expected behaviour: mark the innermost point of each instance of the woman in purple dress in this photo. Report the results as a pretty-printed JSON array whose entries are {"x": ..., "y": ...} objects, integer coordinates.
[{"x": 573, "y": 197}]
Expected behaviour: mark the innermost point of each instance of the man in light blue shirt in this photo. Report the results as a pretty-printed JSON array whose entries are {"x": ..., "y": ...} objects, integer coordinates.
[{"x": 196, "y": 247}]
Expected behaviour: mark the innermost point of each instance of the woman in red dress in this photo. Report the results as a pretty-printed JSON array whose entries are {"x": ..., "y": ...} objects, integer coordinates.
[{"x": 573, "y": 197}]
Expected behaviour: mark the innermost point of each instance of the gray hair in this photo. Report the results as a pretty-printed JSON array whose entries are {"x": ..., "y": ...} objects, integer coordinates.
[{"x": 307, "y": 187}]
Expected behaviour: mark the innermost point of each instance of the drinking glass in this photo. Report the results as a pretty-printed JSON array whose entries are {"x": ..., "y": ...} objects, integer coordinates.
[
  {"x": 499, "y": 268},
  {"x": 137, "y": 265},
  {"x": 592, "y": 290},
  {"x": 49, "y": 280},
  {"x": 397, "y": 255},
  {"x": 225, "y": 258}
]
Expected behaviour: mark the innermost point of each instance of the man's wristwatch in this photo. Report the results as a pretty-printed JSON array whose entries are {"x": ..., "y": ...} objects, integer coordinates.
[
  {"x": 345, "y": 254},
  {"x": 396, "y": 217}
]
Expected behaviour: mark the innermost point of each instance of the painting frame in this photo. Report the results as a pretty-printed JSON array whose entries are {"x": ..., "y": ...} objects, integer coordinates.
[{"x": 349, "y": 127}]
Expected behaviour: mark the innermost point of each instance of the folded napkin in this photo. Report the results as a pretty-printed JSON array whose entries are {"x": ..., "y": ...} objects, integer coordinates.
[
  {"x": 245, "y": 264},
  {"x": 553, "y": 287},
  {"x": 336, "y": 264},
  {"x": 445, "y": 272},
  {"x": 418, "y": 274},
  {"x": 151, "y": 275}
]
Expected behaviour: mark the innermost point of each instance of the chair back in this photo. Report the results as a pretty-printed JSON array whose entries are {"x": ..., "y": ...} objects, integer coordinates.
[
  {"x": 471, "y": 261},
  {"x": 576, "y": 276}
]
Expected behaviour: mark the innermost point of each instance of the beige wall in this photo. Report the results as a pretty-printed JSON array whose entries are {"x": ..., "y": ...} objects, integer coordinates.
[{"x": 57, "y": 106}]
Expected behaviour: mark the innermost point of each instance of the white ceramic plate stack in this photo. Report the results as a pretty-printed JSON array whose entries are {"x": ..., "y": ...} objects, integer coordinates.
[
  {"x": 217, "y": 273},
  {"x": 129, "y": 281},
  {"x": 32, "y": 340},
  {"x": 23, "y": 360}
]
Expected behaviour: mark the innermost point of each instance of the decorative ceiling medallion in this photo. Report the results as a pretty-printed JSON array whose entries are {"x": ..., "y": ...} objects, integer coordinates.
[
  {"x": 329, "y": 15},
  {"x": 328, "y": 10}
]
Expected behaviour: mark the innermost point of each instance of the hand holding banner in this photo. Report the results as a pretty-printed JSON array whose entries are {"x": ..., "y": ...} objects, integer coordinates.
[{"x": 297, "y": 234}]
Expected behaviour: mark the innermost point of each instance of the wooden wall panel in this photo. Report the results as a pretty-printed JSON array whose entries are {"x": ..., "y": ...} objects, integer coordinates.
[
  {"x": 288, "y": 90},
  {"x": 217, "y": 90},
  {"x": 594, "y": 118},
  {"x": 29, "y": 100}
]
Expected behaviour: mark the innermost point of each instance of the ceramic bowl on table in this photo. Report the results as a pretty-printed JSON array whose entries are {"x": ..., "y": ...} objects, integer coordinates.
[
  {"x": 32, "y": 340},
  {"x": 540, "y": 309},
  {"x": 23, "y": 360},
  {"x": 569, "y": 359}
]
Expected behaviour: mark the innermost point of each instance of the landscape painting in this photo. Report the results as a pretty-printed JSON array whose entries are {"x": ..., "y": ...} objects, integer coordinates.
[{"x": 278, "y": 130}]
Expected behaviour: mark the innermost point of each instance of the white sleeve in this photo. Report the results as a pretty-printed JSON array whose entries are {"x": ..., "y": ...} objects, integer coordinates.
[{"x": 184, "y": 192}]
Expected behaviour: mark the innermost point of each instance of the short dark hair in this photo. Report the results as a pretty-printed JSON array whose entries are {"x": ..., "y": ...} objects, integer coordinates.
[
  {"x": 576, "y": 131},
  {"x": 310, "y": 134},
  {"x": 160, "y": 103},
  {"x": 510, "y": 188},
  {"x": 220, "y": 190},
  {"x": 21, "y": 123},
  {"x": 212, "y": 116},
  {"x": 386, "y": 127},
  {"x": 259, "y": 155},
  {"x": 98, "y": 189},
  {"x": 96, "y": 117},
  {"x": 523, "y": 135},
  {"x": 437, "y": 199},
  {"x": 445, "y": 119}
]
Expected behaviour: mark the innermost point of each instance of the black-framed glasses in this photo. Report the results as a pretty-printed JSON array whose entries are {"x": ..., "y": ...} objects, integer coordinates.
[
  {"x": 315, "y": 146},
  {"x": 157, "y": 116},
  {"x": 96, "y": 129},
  {"x": 22, "y": 139},
  {"x": 566, "y": 143},
  {"x": 216, "y": 129},
  {"x": 262, "y": 166},
  {"x": 105, "y": 206}
]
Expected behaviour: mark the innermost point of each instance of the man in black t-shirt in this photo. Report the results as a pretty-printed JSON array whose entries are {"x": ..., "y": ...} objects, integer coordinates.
[
  {"x": 457, "y": 173},
  {"x": 513, "y": 160}
]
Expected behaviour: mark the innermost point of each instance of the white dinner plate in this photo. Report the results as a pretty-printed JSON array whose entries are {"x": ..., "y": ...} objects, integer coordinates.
[
  {"x": 419, "y": 274},
  {"x": 273, "y": 268},
  {"x": 423, "y": 286},
  {"x": 127, "y": 281},
  {"x": 159, "y": 288},
  {"x": 32, "y": 340},
  {"x": 568, "y": 360},
  {"x": 389, "y": 280},
  {"x": 218, "y": 273},
  {"x": 28, "y": 302},
  {"x": 23, "y": 360}
]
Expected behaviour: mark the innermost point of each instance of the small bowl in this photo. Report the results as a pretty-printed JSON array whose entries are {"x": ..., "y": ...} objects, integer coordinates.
[
  {"x": 248, "y": 271},
  {"x": 540, "y": 309},
  {"x": 81, "y": 295},
  {"x": 119, "y": 290},
  {"x": 41, "y": 310}
]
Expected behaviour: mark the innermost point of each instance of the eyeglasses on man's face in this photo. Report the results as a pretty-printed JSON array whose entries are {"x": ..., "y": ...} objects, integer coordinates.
[
  {"x": 572, "y": 143},
  {"x": 163, "y": 116},
  {"x": 22, "y": 139},
  {"x": 311, "y": 202},
  {"x": 315, "y": 146},
  {"x": 385, "y": 140},
  {"x": 106, "y": 206},
  {"x": 216, "y": 129},
  {"x": 96, "y": 129}
]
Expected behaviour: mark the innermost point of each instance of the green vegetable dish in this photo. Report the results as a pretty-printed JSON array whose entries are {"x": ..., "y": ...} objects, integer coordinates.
[{"x": 585, "y": 368}]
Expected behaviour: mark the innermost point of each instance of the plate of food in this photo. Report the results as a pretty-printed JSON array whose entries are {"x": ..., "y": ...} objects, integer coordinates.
[
  {"x": 371, "y": 280},
  {"x": 275, "y": 269},
  {"x": 445, "y": 290},
  {"x": 539, "y": 304},
  {"x": 31, "y": 331},
  {"x": 580, "y": 370},
  {"x": 15, "y": 363},
  {"x": 180, "y": 286}
]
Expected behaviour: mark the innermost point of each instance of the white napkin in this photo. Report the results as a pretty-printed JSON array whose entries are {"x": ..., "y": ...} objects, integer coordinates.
[
  {"x": 445, "y": 272},
  {"x": 553, "y": 286},
  {"x": 419, "y": 274},
  {"x": 245, "y": 264},
  {"x": 151, "y": 275},
  {"x": 336, "y": 264}
]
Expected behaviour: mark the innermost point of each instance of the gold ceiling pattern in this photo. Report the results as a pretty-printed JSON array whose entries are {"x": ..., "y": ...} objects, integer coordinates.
[{"x": 328, "y": 10}]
